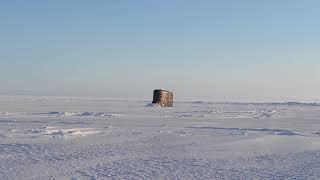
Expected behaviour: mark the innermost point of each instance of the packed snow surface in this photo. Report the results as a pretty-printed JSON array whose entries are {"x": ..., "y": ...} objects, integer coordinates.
[{"x": 83, "y": 138}]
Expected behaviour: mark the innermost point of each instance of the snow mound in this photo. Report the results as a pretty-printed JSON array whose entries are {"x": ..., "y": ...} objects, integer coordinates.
[
  {"x": 65, "y": 132},
  {"x": 192, "y": 116},
  {"x": 107, "y": 115},
  {"x": 93, "y": 114},
  {"x": 152, "y": 105},
  {"x": 264, "y": 113},
  {"x": 199, "y": 102},
  {"x": 68, "y": 114},
  {"x": 5, "y": 113}
]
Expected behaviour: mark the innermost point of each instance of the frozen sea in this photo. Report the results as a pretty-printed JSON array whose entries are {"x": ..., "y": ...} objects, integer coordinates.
[{"x": 90, "y": 138}]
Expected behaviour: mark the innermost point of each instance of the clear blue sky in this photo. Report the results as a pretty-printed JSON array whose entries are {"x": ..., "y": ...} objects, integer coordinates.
[{"x": 208, "y": 49}]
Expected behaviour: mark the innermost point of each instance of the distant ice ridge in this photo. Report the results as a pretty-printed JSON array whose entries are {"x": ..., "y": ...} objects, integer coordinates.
[
  {"x": 296, "y": 104},
  {"x": 214, "y": 112},
  {"x": 271, "y": 103},
  {"x": 95, "y": 114}
]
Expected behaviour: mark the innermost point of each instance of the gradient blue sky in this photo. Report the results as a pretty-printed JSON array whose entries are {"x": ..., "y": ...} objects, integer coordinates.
[{"x": 248, "y": 50}]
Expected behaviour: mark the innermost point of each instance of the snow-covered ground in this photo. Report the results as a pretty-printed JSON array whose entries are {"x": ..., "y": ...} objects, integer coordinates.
[{"x": 73, "y": 138}]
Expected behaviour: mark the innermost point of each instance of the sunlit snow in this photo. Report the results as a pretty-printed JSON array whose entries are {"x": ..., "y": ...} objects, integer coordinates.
[{"x": 83, "y": 138}]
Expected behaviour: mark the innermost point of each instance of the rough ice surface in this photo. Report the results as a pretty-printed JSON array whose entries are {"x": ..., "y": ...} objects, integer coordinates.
[{"x": 78, "y": 138}]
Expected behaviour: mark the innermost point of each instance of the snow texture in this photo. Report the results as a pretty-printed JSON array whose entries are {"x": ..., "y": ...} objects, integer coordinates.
[{"x": 83, "y": 138}]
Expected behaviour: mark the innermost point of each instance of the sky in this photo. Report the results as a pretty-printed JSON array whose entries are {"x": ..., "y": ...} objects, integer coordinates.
[{"x": 217, "y": 50}]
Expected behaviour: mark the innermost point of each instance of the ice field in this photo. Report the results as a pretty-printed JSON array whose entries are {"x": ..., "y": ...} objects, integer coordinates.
[{"x": 88, "y": 138}]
